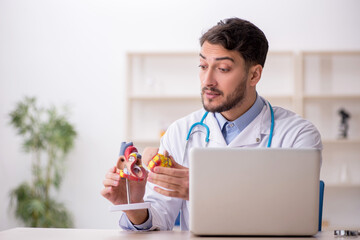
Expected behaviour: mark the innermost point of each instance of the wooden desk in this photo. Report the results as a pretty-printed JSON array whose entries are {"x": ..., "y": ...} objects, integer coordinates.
[{"x": 116, "y": 234}]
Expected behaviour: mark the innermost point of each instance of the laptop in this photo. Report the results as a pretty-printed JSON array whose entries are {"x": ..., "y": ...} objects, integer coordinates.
[{"x": 254, "y": 192}]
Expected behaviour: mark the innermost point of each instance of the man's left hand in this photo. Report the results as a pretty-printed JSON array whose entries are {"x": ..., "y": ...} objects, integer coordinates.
[{"x": 175, "y": 180}]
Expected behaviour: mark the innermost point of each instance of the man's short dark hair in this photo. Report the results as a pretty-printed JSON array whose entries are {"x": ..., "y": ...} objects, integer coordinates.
[{"x": 239, "y": 35}]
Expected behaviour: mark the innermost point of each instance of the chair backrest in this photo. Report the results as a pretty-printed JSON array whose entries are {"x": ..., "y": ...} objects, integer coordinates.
[{"x": 321, "y": 201}]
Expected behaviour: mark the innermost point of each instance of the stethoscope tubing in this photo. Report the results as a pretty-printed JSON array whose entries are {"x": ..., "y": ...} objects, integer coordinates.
[
  {"x": 272, "y": 125},
  {"x": 201, "y": 123}
]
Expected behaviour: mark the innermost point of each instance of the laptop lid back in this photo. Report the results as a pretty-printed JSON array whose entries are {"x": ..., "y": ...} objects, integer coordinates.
[{"x": 254, "y": 191}]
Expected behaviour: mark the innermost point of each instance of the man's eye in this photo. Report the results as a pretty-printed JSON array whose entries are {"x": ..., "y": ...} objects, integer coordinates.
[
  {"x": 224, "y": 70},
  {"x": 203, "y": 67}
]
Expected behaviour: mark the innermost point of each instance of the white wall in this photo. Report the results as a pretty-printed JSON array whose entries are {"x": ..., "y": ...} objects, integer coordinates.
[{"x": 72, "y": 52}]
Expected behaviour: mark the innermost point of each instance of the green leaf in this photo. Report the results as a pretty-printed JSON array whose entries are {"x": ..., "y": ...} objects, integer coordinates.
[{"x": 36, "y": 207}]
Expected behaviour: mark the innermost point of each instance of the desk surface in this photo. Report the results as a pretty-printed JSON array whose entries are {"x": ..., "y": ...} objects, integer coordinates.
[{"x": 116, "y": 234}]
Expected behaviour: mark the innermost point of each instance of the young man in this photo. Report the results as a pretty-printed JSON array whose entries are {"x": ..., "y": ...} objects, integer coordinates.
[{"x": 232, "y": 57}]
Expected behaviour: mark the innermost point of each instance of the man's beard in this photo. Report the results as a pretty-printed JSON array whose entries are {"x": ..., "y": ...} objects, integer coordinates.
[{"x": 232, "y": 100}]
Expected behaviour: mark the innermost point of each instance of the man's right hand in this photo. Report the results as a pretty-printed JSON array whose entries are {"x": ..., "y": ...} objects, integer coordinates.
[{"x": 115, "y": 191}]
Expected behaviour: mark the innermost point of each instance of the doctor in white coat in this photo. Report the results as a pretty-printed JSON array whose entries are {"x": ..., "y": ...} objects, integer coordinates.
[{"x": 232, "y": 57}]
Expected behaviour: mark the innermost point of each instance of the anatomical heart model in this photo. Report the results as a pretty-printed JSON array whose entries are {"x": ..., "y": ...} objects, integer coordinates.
[
  {"x": 131, "y": 169},
  {"x": 130, "y": 163},
  {"x": 159, "y": 160}
]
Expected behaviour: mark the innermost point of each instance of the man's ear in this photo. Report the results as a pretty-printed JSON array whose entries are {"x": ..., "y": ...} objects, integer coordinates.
[{"x": 255, "y": 74}]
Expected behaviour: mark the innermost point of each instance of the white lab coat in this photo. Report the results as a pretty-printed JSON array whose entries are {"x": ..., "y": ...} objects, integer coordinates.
[{"x": 290, "y": 131}]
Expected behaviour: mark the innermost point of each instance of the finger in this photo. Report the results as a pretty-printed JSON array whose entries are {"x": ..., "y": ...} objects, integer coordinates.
[
  {"x": 148, "y": 154},
  {"x": 106, "y": 191},
  {"x": 114, "y": 169},
  {"x": 166, "y": 185},
  {"x": 175, "y": 172},
  {"x": 110, "y": 183},
  {"x": 175, "y": 194},
  {"x": 112, "y": 176},
  {"x": 167, "y": 181},
  {"x": 175, "y": 164}
]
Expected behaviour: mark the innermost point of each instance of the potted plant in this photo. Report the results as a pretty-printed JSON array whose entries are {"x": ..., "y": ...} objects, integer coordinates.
[{"x": 49, "y": 137}]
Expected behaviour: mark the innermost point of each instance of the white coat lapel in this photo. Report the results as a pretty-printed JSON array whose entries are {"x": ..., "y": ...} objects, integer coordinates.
[
  {"x": 216, "y": 137},
  {"x": 254, "y": 132}
]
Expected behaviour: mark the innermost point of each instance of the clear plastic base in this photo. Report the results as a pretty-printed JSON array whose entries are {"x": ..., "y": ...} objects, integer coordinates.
[{"x": 131, "y": 206}]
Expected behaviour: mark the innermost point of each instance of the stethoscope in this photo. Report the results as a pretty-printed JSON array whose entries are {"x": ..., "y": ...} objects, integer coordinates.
[{"x": 201, "y": 123}]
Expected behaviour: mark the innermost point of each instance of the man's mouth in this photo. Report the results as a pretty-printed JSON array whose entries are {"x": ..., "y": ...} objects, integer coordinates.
[{"x": 211, "y": 93}]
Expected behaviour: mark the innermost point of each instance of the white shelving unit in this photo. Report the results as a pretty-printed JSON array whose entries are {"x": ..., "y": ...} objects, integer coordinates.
[
  {"x": 331, "y": 82},
  {"x": 164, "y": 86}
]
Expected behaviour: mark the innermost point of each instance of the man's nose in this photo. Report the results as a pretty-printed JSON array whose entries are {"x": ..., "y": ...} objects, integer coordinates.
[{"x": 209, "y": 78}]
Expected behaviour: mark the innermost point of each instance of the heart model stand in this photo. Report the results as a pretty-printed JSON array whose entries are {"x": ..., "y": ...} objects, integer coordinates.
[
  {"x": 129, "y": 205},
  {"x": 130, "y": 164}
]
